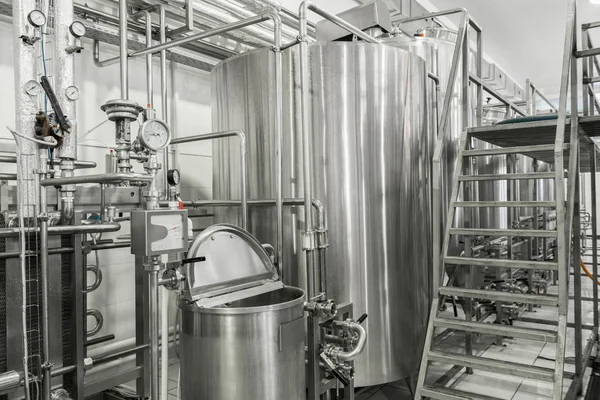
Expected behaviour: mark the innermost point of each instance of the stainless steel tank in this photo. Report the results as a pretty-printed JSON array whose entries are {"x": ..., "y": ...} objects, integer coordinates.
[
  {"x": 242, "y": 330},
  {"x": 437, "y": 47},
  {"x": 371, "y": 160}
]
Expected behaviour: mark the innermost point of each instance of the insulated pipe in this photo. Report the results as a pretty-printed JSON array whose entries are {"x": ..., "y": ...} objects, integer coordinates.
[
  {"x": 64, "y": 74},
  {"x": 25, "y": 105},
  {"x": 243, "y": 160}
]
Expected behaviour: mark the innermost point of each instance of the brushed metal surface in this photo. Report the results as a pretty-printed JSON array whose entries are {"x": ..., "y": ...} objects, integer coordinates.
[
  {"x": 371, "y": 156},
  {"x": 247, "y": 350}
]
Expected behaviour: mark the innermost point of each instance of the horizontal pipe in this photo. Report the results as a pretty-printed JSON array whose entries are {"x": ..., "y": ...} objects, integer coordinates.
[
  {"x": 99, "y": 340},
  {"x": 16, "y": 254},
  {"x": 98, "y": 178},
  {"x": 333, "y": 18},
  {"x": 444, "y": 13},
  {"x": 8, "y": 177},
  {"x": 119, "y": 354},
  {"x": 64, "y": 229},
  {"x": 5, "y": 158},
  {"x": 110, "y": 246},
  {"x": 9, "y": 382},
  {"x": 202, "y": 35},
  {"x": 62, "y": 370}
]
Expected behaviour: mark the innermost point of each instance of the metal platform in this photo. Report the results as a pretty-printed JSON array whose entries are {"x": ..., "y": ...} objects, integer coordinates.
[{"x": 538, "y": 133}]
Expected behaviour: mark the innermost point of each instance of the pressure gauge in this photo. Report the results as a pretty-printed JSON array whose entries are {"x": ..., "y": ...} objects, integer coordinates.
[
  {"x": 72, "y": 93},
  {"x": 36, "y": 18},
  {"x": 173, "y": 177},
  {"x": 33, "y": 88},
  {"x": 77, "y": 29},
  {"x": 154, "y": 134}
]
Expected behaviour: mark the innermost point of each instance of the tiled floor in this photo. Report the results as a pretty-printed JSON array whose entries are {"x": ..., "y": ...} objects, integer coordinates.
[{"x": 480, "y": 382}]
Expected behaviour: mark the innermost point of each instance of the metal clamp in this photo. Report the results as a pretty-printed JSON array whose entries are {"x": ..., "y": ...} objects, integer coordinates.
[
  {"x": 321, "y": 309},
  {"x": 308, "y": 240}
]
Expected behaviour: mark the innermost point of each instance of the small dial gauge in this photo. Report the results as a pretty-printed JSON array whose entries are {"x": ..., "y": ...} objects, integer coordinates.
[
  {"x": 77, "y": 29},
  {"x": 173, "y": 177},
  {"x": 37, "y": 18},
  {"x": 72, "y": 93},
  {"x": 33, "y": 88},
  {"x": 154, "y": 134}
]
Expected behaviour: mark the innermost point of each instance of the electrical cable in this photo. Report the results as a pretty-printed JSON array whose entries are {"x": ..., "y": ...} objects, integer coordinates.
[{"x": 587, "y": 271}]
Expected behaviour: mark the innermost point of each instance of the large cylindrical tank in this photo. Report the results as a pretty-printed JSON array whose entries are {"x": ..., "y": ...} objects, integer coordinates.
[
  {"x": 371, "y": 155},
  {"x": 249, "y": 349}
]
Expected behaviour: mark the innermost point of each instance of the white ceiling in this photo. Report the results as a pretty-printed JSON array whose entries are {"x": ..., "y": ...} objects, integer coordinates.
[{"x": 525, "y": 37}]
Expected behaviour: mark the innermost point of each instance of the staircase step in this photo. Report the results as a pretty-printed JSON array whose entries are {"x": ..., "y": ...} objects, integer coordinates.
[
  {"x": 442, "y": 393},
  {"x": 546, "y": 204},
  {"x": 501, "y": 263},
  {"x": 511, "y": 150},
  {"x": 497, "y": 366},
  {"x": 504, "y": 232},
  {"x": 507, "y": 177},
  {"x": 496, "y": 329},
  {"x": 507, "y": 297}
]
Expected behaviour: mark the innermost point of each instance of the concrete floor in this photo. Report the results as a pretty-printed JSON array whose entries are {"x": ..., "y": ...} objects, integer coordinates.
[{"x": 486, "y": 383}]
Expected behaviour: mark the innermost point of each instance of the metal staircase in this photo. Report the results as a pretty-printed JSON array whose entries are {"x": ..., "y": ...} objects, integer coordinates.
[{"x": 556, "y": 142}]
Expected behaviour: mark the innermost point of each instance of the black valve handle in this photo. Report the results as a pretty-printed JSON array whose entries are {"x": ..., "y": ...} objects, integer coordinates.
[
  {"x": 362, "y": 318},
  {"x": 193, "y": 260},
  {"x": 60, "y": 117}
]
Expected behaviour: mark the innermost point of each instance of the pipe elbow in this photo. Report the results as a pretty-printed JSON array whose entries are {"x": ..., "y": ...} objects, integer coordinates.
[{"x": 358, "y": 348}]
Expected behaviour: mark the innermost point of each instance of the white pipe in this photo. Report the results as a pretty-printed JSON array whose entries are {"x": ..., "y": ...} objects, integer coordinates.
[{"x": 164, "y": 350}]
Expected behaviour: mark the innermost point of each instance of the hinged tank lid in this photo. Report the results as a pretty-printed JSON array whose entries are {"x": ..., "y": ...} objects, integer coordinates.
[{"x": 235, "y": 267}]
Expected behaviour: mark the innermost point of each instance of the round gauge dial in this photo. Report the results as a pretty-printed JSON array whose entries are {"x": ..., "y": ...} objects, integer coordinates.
[
  {"x": 33, "y": 88},
  {"x": 154, "y": 134},
  {"x": 173, "y": 177},
  {"x": 77, "y": 29},
  {"x": 36, "y": 18},
  {"x": 72, "y": 93}
]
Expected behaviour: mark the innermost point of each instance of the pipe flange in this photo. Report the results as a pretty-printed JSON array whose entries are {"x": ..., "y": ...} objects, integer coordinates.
[{"x": 122, "y": 110}]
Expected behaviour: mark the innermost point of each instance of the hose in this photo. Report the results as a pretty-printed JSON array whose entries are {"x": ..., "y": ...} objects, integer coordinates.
[{"x": 587, "y": 272}]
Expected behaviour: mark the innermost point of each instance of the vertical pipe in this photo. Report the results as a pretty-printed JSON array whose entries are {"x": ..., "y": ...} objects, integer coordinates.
[
  {"x": 594, "y": 231},
  {"x": 576, "y": 257},
  {"x": 528, "y": 107},
  {"x": 278, "y": 137},
  {"x": 149, "y": 72},
  {"x": 585, "y": 96},
  {"x": 154, "y": 329},
  {"x": 46, "y": 364},
  {"x": 164, "y": 96},
  {"x": 123, "y": 49},
  {"x": 479, "y": 67},
  {"x": 308, "y": 240}
]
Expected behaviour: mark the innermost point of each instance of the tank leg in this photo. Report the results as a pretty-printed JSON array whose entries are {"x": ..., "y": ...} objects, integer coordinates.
[{"x": 411, "y": 384}]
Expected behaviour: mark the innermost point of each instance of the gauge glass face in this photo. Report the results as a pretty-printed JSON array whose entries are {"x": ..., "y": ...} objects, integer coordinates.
[
  {"x": 174, "y": 177},
  {"x": 37, "y": 18},
  {"x": 33, "y": 88},
  {"x": 72, "y": 93},
  {"x": 77, "y": 29},
  {"x": 154, "y": 134},
  {"x": 171, "y": 225}
]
